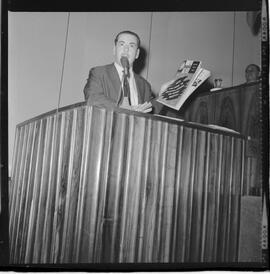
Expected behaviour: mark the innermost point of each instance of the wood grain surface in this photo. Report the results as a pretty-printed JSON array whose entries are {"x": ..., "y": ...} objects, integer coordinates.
[
  {"x": 91, "y": 185},
  {"x": 237, "y": 108}
]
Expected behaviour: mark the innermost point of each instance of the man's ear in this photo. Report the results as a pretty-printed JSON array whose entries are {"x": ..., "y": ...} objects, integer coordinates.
[
  {"x": 114, "y": 49},
  {"x": 137, "y": 53}
]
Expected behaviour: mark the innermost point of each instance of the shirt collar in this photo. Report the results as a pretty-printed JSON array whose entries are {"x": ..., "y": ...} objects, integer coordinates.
[{"x": 120, "y": 70}]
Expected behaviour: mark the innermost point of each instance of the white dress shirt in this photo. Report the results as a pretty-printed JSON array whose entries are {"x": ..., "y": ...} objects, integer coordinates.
[{"x": 132, "y": 84}]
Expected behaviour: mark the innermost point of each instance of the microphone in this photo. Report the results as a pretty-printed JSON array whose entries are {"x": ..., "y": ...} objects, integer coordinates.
[{"x": 125, "y": 63}]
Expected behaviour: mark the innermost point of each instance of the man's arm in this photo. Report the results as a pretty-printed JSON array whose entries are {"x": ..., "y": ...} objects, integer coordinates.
[
  {"x": 149, "y": 97},
  {"x": 94, "y": 92}
]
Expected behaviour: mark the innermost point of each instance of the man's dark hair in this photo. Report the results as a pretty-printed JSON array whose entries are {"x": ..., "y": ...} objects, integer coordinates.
[
  {"x": 128, "y": 32},
  {"x": 253, "y": 65}
]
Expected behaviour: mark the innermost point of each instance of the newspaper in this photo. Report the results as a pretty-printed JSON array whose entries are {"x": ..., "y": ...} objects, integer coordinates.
[{"x": 189, "y": 76}]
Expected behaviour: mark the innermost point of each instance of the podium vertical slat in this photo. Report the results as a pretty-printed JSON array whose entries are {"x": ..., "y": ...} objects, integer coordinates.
[{"x": 91, "y": 185}]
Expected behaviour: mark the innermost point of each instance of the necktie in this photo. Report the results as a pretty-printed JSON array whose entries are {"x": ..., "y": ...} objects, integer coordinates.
[{"x": 126, "y": 88}]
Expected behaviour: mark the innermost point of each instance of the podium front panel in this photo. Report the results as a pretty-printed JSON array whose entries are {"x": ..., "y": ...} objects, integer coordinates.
[{"x": 91, "y": 185}]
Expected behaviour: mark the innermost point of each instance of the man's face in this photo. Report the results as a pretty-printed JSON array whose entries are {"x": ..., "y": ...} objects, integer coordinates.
[
  {"x": 252, "y": 74},
  {"x": 127, "y": 45}
]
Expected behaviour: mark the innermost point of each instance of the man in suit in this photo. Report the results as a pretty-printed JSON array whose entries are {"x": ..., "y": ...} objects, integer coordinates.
[
  {"x": 104, "y": 85},
  {"x": 252, "y": 73}
]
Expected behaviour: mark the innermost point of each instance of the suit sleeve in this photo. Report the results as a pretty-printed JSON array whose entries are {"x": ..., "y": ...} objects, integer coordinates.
[
  {"x": 94, "y": 90},
  {"x": 149, "y": 96}
]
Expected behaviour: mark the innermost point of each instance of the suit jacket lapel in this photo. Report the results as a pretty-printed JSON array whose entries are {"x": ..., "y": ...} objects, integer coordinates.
[
  {"x": 139, "y": 88},
  {"x": 114, "y": 78}
]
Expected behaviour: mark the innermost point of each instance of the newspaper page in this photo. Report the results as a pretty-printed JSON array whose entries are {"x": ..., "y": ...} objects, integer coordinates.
[
  {"x": 201, "y": 77},
  {"x": 184, "y": 83}
]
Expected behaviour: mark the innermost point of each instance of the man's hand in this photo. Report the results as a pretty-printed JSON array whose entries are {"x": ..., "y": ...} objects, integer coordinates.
[{"x": 145, "y": 107}]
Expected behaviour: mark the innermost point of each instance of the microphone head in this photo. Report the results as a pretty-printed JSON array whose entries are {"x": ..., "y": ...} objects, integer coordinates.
[{"x": 124, "y": 61}]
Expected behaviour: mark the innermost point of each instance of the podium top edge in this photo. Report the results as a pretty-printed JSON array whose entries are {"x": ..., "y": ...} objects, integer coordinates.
[{"x": 153, "y": 117}]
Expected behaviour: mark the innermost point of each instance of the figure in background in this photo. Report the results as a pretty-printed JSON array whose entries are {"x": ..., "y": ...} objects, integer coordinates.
[
  {"x": 106, "y": 85},
  {"x": 252, "y": 73}
]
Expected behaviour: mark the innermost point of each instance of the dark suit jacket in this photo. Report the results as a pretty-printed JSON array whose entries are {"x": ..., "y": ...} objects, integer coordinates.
[{"x": 103, "y": 87}]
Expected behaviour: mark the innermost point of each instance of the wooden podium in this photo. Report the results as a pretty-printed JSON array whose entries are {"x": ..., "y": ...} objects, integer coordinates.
[
  {"x": 91, "y": 185},
  {"x": 238, "y": 108}
]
